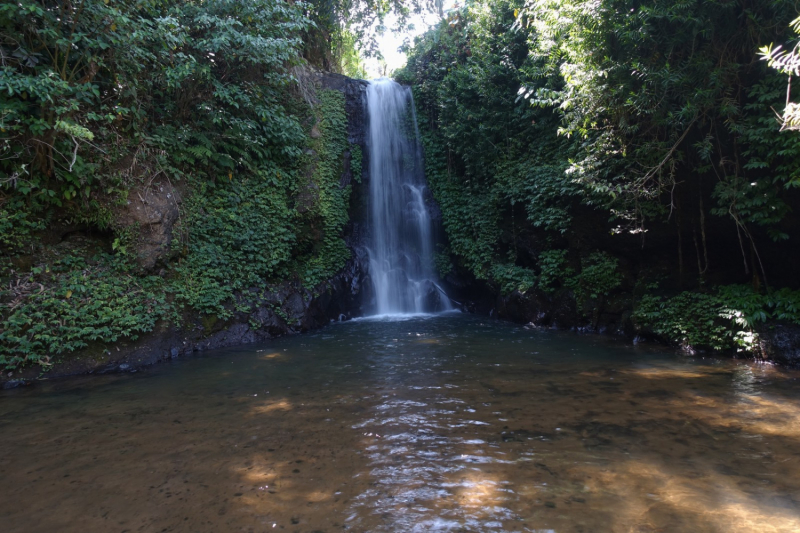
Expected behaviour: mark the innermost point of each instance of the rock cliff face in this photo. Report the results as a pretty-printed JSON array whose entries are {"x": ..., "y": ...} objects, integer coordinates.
[
  {"x": 287, "y": 307},
  {"x": 284, "y": 308}
]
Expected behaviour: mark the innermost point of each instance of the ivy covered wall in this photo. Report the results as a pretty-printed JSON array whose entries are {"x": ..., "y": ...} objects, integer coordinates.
[{"x": 167, "y": 171}]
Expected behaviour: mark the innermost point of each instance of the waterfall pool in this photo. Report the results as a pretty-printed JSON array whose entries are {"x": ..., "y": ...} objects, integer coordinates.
[{"x": 445, "y": 423}]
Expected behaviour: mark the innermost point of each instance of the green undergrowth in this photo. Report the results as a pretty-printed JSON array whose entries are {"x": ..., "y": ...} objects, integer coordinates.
[
  {"x": 240, "y": 235},
  {"x": 18, "y": 227},
  {"x": 326, "y": 214},
  {"x": 75, "y": 302},
  {"x": 239, "y": 229},
  {"x": 721, "y": 320},
  {"x": 356, "y": 162}
]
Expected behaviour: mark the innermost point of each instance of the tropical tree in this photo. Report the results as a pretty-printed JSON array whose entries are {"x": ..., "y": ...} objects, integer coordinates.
[{"x": 787, "y": 62}]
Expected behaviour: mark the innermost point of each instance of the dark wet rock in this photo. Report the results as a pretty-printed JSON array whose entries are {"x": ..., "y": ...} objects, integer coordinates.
[
  {"x": 780, "y": 342},
  {"x": 542, "y": 466},
  {"x": 354, "y": 105},
  {"x": 294, "y": 307},
  {"x": 14, "y": 383},
  {"x": 518, "y": 435},
  {"x": 608, "y": 387},
  {"x": 554, "y": 389},
  {"x": 559, "y": 311},
  {"x": 108, "y": 369},
  {"x": 725, "y": 470}
]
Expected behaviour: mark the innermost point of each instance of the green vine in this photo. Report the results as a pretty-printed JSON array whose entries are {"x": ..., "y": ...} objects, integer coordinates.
[
  {"x": 356, "y": 162},
  {"x": 326, "y": 202}
]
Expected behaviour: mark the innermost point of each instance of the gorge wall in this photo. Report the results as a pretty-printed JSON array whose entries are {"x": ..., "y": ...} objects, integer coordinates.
[
  {"x": 154, "y": 214},
  {"x": 330, "y": 203}
]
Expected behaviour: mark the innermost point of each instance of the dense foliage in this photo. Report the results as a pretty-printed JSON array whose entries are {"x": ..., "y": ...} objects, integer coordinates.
[
  {"x": 84, "y": 85},
  {"x": 480, "y": 161},
  {"x": 560, "y": 135},
  {"x": 343, "y": 32},
  {"x": 669, "y": 98},
  {"x": 101, "y": 101},
  {"x": 722, "y": 320},
  {"x": 786, "y": 62},
  {"x": 76, "y": 302}
]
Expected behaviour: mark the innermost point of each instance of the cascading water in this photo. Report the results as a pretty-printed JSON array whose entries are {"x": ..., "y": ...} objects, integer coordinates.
[{"x": 401, "y": 248}]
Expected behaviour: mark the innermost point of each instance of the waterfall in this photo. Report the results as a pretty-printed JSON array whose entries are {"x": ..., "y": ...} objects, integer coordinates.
[{"x": 401, "y": 245}]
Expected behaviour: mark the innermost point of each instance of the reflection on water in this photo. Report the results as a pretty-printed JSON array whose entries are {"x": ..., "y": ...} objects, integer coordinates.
[{"x": 430, "y": 424}]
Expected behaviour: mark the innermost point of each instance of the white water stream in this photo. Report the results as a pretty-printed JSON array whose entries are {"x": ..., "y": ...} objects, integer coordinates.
[{"x": 401, "y": 246}]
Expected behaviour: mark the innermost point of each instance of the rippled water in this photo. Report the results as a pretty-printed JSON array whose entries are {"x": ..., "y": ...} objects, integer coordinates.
[{"x": 428, "y": 424}]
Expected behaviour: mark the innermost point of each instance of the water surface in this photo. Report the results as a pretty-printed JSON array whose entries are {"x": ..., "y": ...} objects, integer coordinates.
[{"x": 452, "y": 423}]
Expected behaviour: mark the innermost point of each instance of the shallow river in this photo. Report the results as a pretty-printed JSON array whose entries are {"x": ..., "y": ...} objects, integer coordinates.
[{"x": 452, "y": 423}]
